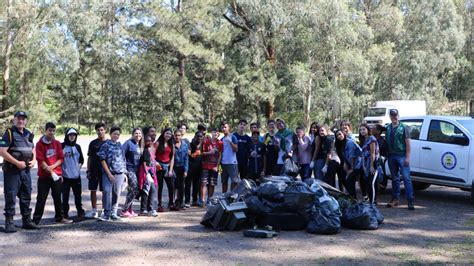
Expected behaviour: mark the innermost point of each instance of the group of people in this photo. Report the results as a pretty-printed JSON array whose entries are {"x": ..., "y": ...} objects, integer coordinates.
[{"x": 142, "y": 165}]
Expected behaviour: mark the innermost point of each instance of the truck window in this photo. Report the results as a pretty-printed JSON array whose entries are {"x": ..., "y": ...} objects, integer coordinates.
[
  {"x": 377, "y": 111},
  {"x": 414, "y": 127},
  {"x": 443, "y": 132}
]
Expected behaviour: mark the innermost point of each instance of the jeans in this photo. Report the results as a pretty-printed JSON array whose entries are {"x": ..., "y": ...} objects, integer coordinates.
[
  {"x": 44, "y": 185},
  {"x": 330, "y": 176},
  {"x": 132, "y": 188},
  {"x": 305, "y": 171},
  {"x": 17, "y": 185},
  {"x": 318, "y": 166},
  {"x": 111, "y": 193},
  {"x": 148, "y": 199},
  {"x": 75, "y": 184},
  {"x": 397, "y": 166},
  {"x": 169, "y": 183}
]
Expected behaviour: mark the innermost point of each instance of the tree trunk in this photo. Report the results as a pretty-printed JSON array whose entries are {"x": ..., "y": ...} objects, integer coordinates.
[
  {"x": 8, "y": 49},
  {"x": 181, "y": 66},
  {"x": 269, "y": 110},
  {"x": 307, "y": 104}
]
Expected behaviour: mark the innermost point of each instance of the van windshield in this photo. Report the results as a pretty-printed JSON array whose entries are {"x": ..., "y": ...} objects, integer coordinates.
[
  {"x": 468, "y": 124},
  {"x": 377, "y": 111}
]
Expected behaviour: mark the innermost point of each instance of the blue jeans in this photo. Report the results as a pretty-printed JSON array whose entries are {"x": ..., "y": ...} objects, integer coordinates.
[
  {"x": 305, "y": 171},
  {"x": 318, "y": 166},
  {"x": 397, "y": 166},
  {"x": 111, "y": 193}
]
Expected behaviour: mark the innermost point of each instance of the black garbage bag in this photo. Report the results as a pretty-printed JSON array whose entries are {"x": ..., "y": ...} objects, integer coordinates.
[
  {"x": 260, "y": 207},
  {"x": 376, "y": 212},
  {"x": 245, "y": 188},
  {"x": 285, "y": 221},
  {"x": 275, "y": 178},
  {"x": 290, "y": 168},
  {"x": 299, "y": 198},
  {"x": 360, "y": 216},
  {"x": 272, "y": 191},
  {"x": 316, "y": 184},
  {"x": 324, "y": 222}
]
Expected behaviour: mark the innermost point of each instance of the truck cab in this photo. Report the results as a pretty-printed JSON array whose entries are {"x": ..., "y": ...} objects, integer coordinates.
[{"x": 442, "y": 151}]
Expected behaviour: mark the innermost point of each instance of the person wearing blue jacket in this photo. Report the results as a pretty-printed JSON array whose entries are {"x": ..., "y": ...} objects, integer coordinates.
[
  {"x": 132, "y": 151},
  {"x": 181, "y": 167},
  {"x": 351, "y": 155}
]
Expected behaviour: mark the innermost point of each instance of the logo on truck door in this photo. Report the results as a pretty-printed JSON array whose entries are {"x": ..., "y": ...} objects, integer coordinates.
[{"x": 448, "y": 160}]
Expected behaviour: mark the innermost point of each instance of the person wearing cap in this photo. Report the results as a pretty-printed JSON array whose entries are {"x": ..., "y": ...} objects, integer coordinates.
[
  {"x": 50, "y": 156},
  {"x": 71, "y": 169},
  {"x": 398, "y": 144},
  {"x": 17, "y": 150}
]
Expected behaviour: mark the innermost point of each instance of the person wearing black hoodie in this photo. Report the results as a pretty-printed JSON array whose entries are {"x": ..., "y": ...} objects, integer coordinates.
[{"x": 71, "y": 167}]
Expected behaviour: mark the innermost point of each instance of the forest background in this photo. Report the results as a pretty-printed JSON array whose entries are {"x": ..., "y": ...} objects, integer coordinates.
[{"x": 134, "y": 63}]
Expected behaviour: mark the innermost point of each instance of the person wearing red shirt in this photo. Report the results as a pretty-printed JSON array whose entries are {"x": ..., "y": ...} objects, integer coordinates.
[
  {"x": 165, "y": 163},
  {"x": 50, "y": 156},
  {"x": 212, "y": 154}
]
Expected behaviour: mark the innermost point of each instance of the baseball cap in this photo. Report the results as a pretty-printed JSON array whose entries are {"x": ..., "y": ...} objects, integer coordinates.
[
  {"x": 393, "y": 112},
  {"x": 21, "y": 113},
  {"x": 72, "y": 131}
]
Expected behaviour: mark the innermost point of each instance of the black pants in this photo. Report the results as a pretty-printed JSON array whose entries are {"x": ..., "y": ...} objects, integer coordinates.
[
  {"x": 350, "y": 182},
  {"x": 192, "y": 181},
  {"x": 362, "y": 183},
  {"x": 17, "y": 185},
  {"x": 179, "y": 184},
  {"x": 75, "y": 184},
  {"x": 242, "y": 171},
  {"x": 372, "y": 187},
  {"x": 330, "y": 176},
  {"x": 169, "y": 184},
  {"x": 44, "y": 185},
  {"x": 341, "y": 176}
]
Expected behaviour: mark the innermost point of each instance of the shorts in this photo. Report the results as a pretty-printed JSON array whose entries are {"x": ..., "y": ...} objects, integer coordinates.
[
  {"x": 94, "y": 183},
  {"x": 209, "y": 177},
  {"x": 230, "y": 171}
]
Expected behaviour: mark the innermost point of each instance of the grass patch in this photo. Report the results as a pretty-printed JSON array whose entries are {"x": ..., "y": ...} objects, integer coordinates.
[
  {"x": 407, "y": 258},
  {"x": 471, "y": 222}
]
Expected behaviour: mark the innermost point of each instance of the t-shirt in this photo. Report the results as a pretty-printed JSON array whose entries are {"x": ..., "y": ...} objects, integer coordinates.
[
  {"x": 163, "y": 156},
  {"x": 271, "y": 151},
  {"x": 132, "y": 154},
  {"x": 327, "y": 144},
  {"x": 195, "y": 162},
  {"x": 95, "y": 169},
  {"x": 255, "y": 165},
  {"x": 304, "y": 154},
  {"x": 211, "y": 161},
  {"x": 244, "y": 143},
  {"x": 229, "y": 156}
]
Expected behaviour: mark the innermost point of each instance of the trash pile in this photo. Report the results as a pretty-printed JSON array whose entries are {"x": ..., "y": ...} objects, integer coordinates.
[{"x": 282, "y": 203}]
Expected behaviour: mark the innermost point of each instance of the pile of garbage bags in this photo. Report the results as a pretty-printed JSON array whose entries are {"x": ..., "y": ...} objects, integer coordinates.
[{"x": 284, "y": 203}]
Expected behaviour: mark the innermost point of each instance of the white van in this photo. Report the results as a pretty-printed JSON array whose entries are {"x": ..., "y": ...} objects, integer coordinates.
[{"x": 442, "y": 151}]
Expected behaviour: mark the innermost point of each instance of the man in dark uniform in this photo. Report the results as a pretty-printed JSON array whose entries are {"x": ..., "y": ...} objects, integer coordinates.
[{"x": 17, "y": 150}]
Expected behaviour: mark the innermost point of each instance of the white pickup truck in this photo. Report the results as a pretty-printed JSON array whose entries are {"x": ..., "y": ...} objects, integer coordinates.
[{"x": 442, "y": 151}]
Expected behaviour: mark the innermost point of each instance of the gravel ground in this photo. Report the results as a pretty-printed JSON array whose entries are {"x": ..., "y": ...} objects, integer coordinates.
[{"x": 441, "y": 230}]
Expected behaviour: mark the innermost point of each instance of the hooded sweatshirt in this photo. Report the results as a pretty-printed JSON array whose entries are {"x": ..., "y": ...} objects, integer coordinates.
[
  {"x": 73, "y": 157},
  {"x": 49, "y": 152}
]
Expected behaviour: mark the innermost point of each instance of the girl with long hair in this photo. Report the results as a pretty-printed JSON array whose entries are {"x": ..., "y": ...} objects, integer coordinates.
[
  {"x": 133, "y": 150},
  {"x": 165, "y": 163}
]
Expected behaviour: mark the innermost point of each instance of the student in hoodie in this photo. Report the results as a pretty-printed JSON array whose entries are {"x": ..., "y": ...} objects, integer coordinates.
[
  {"x": 132, "y": 150},
  {"x": 115, "y": 169},
  {"x": 256, "y": 158},
  {"x": 244, "y": 143},
  {"x": 181, "y": 166},
  {"x": 49, "y": 155},
  {"x": 71, "y": 168}
]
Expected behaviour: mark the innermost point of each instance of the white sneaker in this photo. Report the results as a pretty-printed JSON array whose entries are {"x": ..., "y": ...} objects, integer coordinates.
[
  {"x": 115, "y": 217},
  {"x": 92, "y": 214},
  {"x": 154, "y": 213}
]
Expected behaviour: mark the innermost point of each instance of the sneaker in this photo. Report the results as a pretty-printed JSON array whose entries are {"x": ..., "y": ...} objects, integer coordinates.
[
  {"x": 126, "y": 214},
  {"x": 115, "y": 217},
  {"x": 154, "y": 213},
  {"x": 92, "y": 214},
  {"x": 393, "y": 203},
  {"x": 132, "y": 213},
  {"x": 174, "y": 208},
  {"x": 103, "y": 219},
  {"x": 161, "y": 209},
  {"x": 187, "y": 206},
  {"x": 64, "y": 221},
  {"x": 411, "y": 207},
  {"x": 143, "y": 213},
  {"x": 195, "y": 204},
  {"x": 200, "y": 204}
]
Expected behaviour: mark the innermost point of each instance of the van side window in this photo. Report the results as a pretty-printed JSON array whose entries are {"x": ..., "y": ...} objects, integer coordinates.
[
  {"x": 443, "y": 132},
  {"x": 414, "y": 127}
]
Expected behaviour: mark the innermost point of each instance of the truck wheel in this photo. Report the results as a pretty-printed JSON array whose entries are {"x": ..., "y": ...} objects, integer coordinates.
[{"x": 418, "y": 186}]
